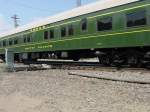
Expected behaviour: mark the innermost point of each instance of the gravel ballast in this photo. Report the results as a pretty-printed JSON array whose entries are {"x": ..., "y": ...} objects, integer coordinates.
[
  {"x": 56, "y": 91},
  {"x": 135, "y": 77}
]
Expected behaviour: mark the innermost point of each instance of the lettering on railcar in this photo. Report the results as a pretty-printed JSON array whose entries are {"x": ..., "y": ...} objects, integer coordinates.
[
  {"x": 29, "y": 48},
  {"x": 38, "y": 47},
  {"x": 44, "y": 47}
]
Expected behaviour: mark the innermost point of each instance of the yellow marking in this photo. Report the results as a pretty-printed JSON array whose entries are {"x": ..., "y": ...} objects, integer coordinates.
[
  {"x": 120, "y": 11},
  {"x": 99, "y": 15},
  {"x": 38, "y": 47},
  {"x": 121, "y": 33},
  {"x": 43, "y": 27},
  {"x": 44, "y": 47},
  {"x": 29, "y": 48}
]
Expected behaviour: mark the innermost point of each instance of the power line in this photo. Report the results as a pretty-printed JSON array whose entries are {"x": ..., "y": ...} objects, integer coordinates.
[
  {"x": 15, "y": 18},
  {"x": 78, "y": 3}
]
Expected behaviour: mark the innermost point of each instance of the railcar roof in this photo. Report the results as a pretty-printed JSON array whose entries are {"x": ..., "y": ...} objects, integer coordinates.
[{"x": 93, "y": 7}]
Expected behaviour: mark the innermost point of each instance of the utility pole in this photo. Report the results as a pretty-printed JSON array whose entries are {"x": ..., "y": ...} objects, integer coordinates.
[
  {"x": 15, "y": 18},
  {"x": 78, "y": 3}
]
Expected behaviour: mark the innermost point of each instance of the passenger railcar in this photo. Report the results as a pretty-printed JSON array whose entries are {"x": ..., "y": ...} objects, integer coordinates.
[{"x": 115, "y": 31}]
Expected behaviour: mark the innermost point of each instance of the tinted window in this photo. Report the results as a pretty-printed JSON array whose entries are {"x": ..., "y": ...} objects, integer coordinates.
[
  {"x": 70, "y": 30},
  {"x": 46, "y": 35},
  {"x": 84, "y": 24},
  {"x": 28, "y": 38},
  {"x": 24, "y": 39},
  {"x": 10, "y": 42},
  {"x": 51, "y": 34},
  {"x": 15, "y": 41},
  {"x": 136, "y": 18},
  {"x": 63, "y": 32},
  {"x": 104, "y": 24},
  {"x": 4, "y": 43}
]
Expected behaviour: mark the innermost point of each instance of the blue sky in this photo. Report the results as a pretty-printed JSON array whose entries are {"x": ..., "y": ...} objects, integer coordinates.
[{"x": 32, "y": 10}]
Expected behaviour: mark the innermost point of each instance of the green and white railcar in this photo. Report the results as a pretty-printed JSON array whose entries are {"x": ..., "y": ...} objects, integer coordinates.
[{"x": 117, "y": 31}]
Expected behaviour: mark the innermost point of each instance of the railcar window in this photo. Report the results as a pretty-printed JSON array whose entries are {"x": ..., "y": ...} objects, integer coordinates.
[
  {"x": 70, "y": 30},
  {"x": 28, "y": 38},
  {"x": 4, "y": 43},
  {"x": 63, "y": 32},
  {"x": 84, "y": 24},
  {"x": 0, "y": 44},
  {"x": 24, "y": 39},
  {"x": 15, "y": 41},
  {"x": 104, "y": 24},
  {"x": 46, "y": 35},
  {"x": 10, "y": 42},
  {"x": 51, "y": 34},
  {"x": 136, "y": 18}
]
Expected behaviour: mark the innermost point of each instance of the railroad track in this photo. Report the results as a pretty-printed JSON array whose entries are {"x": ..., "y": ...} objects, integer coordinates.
[
  {"x": 72, "y": 65},
  {"x": 88, "y": 67},
  {"x": 75, "y": 63}
]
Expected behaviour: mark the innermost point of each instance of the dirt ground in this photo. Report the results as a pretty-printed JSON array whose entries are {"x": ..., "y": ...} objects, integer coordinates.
[{"x": 56, "y": 91}]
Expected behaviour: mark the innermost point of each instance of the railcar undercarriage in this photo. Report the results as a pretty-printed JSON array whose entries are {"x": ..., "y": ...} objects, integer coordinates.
[{"x": 131, "y": 57}]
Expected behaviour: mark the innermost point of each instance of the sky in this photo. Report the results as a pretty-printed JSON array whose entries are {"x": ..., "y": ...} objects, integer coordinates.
[{"x": 32, "y": 10}]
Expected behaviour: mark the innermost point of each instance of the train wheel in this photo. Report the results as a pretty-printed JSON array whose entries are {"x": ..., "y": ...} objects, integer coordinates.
[
  {"x": 133, "y": 61},
  {"x": 105, "y": 60},
  {"x": 117, "y": 60}
]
